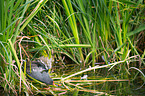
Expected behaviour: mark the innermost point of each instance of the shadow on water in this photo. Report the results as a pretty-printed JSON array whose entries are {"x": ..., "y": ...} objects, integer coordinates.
[
  {"x": 91, "y": 83},
  {"x": 97, "y": 82}
]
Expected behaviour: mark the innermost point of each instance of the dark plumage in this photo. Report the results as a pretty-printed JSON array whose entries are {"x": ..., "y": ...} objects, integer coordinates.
[{"x": 39, "y": 72}]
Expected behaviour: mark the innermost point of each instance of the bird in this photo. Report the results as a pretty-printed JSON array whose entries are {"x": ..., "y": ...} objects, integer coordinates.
[
  {"x": 39, "y": 70},
  {"x": 46, "y": 61}
]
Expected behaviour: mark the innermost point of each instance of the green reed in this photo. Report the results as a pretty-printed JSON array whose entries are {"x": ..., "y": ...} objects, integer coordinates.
[
  {"x": 83, "y": 30},
  {"x": 13, "y": 20}
]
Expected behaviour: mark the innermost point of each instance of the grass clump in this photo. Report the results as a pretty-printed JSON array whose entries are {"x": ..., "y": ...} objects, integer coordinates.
[{"x": 77, "y": 33}]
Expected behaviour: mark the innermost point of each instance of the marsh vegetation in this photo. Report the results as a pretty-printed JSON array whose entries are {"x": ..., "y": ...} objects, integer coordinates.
[{"x": 96, "y": 47}]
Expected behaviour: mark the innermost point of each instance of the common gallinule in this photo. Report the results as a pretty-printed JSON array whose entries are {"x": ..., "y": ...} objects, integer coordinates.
[{"x": 39, "y": 70}]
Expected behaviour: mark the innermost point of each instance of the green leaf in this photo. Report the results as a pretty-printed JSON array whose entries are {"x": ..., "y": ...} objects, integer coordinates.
[{"x": 139, "y": 29}]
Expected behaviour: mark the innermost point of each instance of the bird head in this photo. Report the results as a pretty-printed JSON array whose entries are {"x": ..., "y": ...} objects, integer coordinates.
[{"x": 46, "y": 61}]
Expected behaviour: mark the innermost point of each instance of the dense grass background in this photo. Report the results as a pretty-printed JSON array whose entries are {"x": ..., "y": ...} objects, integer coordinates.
[{"x": 82, "y": 30}]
